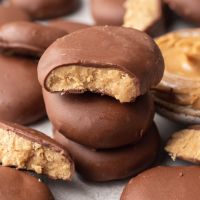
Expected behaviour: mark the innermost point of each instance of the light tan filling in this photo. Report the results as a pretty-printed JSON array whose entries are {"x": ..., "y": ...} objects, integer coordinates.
[
  {"x": 24, "y": 154},
  {"x": 140, "y": 14},
  {"x": 185, "y": 144},
  {"x": 108, "y": 81}
]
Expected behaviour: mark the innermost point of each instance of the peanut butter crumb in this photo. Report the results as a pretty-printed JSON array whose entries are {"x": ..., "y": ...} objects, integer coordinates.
[
  {"x": 185, "y": 145},
  {"x": 113, "y": 82},
  {"x": 24, "y": 154},
  {"x": 139, "y": 16}
]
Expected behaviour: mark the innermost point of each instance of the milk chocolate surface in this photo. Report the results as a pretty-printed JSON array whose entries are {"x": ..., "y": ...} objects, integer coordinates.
[
  {"x": 108, "y": 12},
  {"x": 106, "y": 60},
  {"x": 164, "y": 183},
  {"x": 99, "y": 121},
  {"x": 44, "y": 9},
  {"x": 21, "y": 95},
  {"x": 27, "y": 38},
  {"x": 12, "y": 14},
  {"x": 188, "y": 9},
  {"x": 107, "y": 165},
  {"x": 21, "y": 186}
]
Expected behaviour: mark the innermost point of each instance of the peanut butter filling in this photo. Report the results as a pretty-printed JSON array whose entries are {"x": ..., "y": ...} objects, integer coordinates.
[
  {"x": 185, "y": 144},
  {"x": 24, "y": 154},
  {"x": 113, "y": 82},
  {"x": 139, "y": 16},
  {"x": 181, "y": 52}
]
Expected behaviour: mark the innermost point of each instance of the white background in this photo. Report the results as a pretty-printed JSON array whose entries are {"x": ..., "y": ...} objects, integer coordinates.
[{"x": 80, "y": 189}]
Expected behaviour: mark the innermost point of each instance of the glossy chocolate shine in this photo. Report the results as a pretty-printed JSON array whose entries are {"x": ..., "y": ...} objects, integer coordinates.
[
  {"x": 164, "y": 183},
  {"x": 110, "y": 48},
  {"x": 21, "y": 186},
  {"x": 28, "y": 38},
  {"x": 21, "y": 95},
  {"x": 99, "y": 121},
  {"x": 107, "y": 165}
]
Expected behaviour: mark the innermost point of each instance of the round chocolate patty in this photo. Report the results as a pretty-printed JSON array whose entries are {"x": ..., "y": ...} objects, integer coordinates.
[
  {"x": 43, "y": 9},
  {"x": 28, "y": 38},
  {"x": 188, "y": 9},
  {"x": 99, "y": 121},
  {"x": 102, "y": 59},
  {"x": 12, "y": 14},
  {"x": 181, "y": 183},
  {"x": 108, "y": 12},
  {"x": 21, "y": 186},
  {"x": 21, "y": 97},
  {"x": 107, "y": 165}
]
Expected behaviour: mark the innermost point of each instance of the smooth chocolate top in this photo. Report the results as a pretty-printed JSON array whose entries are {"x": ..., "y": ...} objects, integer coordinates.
[
  {"x": 12, "y": 14},
  {"x": 126, "y": 49},
  {"x": 188, "y": 9},
  {"x": 68, "y": 26},
  {"x": 18, "y": 185},
  {"x": 21, "y": 96},
  {"x": 108, "y": 12},
  {"x": 181, "y": 183},
  {"x": 106, "y": 165},
  {"x": 43, "y": 9},
  {"x": 28, "y": 38},
  {"x": 99, "y": 121}
]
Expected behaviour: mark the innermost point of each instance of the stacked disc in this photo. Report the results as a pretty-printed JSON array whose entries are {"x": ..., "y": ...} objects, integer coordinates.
[
  {"x": 95, "y": 86},
  {"x": 21, "y": 45}
]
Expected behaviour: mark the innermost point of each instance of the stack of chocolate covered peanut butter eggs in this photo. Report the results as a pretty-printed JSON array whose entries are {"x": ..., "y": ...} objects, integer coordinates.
[{"x": 95, "y": 86}]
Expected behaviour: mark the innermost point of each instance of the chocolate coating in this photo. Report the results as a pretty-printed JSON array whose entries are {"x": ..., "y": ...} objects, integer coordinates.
[
  {"x": 188, "y": 9},
  {"x": 68, "y": 26},
  {"x": 108, "y": 12},
  {"x": 164, "y": 183},
  {"x": 12, "y": 14},
  {"x": 27, "y": 38},
  {"x": 99, "y": 121},
  {"x": 34, "y": 136},
  {"x": 122, "y": 48},
  {"x": 107, "y": 165},
  {"x": 44, "y": 9},
  {"x": 21, "y": 96},
  {"x": 21, "y": 186},
  {"x": 180, "y": 114}
]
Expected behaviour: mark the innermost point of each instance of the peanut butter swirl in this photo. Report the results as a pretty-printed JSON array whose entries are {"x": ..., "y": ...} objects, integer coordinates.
[{"x": 181, "y": 51}]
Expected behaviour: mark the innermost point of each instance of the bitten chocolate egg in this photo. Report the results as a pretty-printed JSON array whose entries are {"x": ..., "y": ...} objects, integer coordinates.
[
  {"x": 103, "y": 59},
  {"x": 143, "y": 15},
  {"x": 28, "y": 149}
]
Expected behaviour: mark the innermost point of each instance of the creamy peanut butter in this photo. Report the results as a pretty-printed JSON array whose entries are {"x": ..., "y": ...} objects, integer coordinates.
[
  {"x": 182, "y": 54},
  {"x": 181, "y": 51}
]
